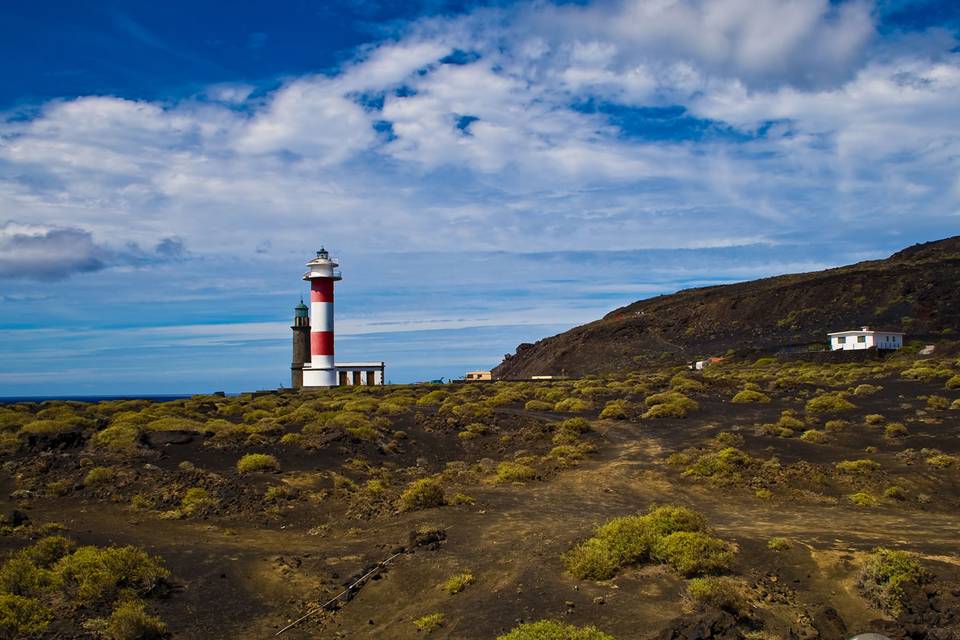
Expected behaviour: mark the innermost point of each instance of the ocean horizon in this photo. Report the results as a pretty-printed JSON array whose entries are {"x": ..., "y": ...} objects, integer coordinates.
[{"x": 101, "y": 398}]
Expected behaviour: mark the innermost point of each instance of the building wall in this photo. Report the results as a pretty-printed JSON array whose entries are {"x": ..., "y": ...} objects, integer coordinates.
[
  {"x": 301, "y": 354},
  {"x": 878, "y": 339}
]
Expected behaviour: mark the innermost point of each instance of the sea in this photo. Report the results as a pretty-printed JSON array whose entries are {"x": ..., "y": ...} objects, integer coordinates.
[{"x": 154, "y": 398}]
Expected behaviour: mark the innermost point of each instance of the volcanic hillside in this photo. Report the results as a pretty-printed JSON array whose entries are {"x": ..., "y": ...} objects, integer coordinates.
[{"x": 914, "y": 290}]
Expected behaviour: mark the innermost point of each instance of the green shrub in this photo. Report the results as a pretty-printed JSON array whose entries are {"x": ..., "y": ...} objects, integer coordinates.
[
  {"x": 862, "y": 499},
  {"x": 828, "y": 403},
  {"x": 889, "y": 577},
  {"x": 252, "y": 462},
  {"x": 174, "y": 424},
  {"x": 955, "y": 404},
  {"x": 130, "y": 621},
  {"x": 814, "y": 436},
  {"x": 196, "y": 500},
  {"x": 22, "y": 617},
  {"x": 938, "y": 403},
  {"x": 778, "y": 543},
  {"x": 874, "y": 418},
  {"x": 727, "y": 466},
  {"x": 669, "y": 404},
  {"x": 514, "y": 472},
  {"x": 857, "y": 467},
  {"x": 953, "y": 382},
  {"x": 48, "y": 428},
  {"x": 432, "y": 398},
  {"x": 614, "y": 410},
  {"x": 681, "y": 382},
  {"x": 747, "y": 396},
  {"x": 693, "y": 553},
  {"x": 942, "y": 460},
  {"x": 866, "y": 390},
  {"x": 628, "y": 540},
  {"x": 926, "y": 373},
  {"x": 538, "y": 405},
  {"x": 424, "y": 493},
  {"x": 99, "y": 475},
  {"x": 21, "y": 577},
  {"x": 572, "y": 405},
  {"x": 836, "y": 425},
  {"x": 894, "y": 430},
  {"x": 46, "y": 551},
  {"x": 895, "y": 493},
  {"x": 429, "y": 623},
  {"x": 118, "y": 437},
  {"x": 94, "y": 575},
  {"x": 720, "y": 592},
  {"x": 550, "y": 630},
  {"x": 457, "y": 583}
]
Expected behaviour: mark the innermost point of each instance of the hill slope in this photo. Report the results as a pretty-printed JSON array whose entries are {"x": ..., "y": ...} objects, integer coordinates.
[{"x": 914, "y": 290}]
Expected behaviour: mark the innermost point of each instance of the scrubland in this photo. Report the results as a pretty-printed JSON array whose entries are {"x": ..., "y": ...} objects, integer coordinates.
[{"x": 755, "y": 499}]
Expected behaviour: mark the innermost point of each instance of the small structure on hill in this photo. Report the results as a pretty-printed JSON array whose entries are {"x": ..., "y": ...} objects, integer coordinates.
[
  {"x": 865, "y": 338},
  {"x": 478, "y": 376}
]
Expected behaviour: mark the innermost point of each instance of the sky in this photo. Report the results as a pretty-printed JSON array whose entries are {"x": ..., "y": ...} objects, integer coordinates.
[{"x": 487, "y": 173}]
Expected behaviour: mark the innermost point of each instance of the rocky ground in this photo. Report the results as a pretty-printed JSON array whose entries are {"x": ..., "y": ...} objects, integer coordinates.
[{"x": 811, "y": 469}]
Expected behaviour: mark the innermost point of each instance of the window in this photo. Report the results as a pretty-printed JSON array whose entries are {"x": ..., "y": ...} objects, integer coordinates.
[
  {"x": 861, "y": 338},
  {"x": 842, "y": 340}
]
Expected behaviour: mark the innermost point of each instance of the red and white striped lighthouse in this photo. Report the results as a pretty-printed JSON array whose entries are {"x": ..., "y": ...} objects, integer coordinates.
[{"x": 321, "y": 372}]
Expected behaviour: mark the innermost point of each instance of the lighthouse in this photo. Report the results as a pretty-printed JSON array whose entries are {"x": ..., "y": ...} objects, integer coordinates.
[
  {"x": 313, "y": 364},
  {"x": 322, "y": 371}
]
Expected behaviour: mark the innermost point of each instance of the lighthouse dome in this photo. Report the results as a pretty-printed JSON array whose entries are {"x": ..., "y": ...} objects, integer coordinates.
[{"x": 301, "y": 310}]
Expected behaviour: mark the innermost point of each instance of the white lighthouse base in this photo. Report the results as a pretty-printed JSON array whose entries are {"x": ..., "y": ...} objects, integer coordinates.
[{"x": 319, "y": 377}]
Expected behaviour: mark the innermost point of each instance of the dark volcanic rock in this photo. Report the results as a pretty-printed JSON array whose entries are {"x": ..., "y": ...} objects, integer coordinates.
[{"x": 913, "y": 291}]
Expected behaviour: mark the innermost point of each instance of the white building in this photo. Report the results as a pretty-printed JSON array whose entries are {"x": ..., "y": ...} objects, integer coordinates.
[{"x": 865, "y": 338}]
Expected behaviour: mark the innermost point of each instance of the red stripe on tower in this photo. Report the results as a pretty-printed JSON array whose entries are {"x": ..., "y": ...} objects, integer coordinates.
[
  {"x": 321, "y": 290},
  {"x": 321, "y": 343}
]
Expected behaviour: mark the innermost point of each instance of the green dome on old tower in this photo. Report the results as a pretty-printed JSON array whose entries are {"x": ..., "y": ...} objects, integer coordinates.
[{"x": 301, "y": 310}]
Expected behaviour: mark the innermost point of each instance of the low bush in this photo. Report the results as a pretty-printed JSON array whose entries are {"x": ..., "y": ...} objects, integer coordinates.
[
  {"x": 196, "y": 500},
  {"x": 719, "y": 592},
  {"x": 888, "y": 578},
  {"x": 550, "y": 630},
  {"x": 727, "y": 466},
  {"x": 457, "y": 583},
  {"x": 615, "y": 410},
  {"x": 942, "y": 460},
  {"x": 94, "y": 575},
  {"x": 432, "y": 398},
  {"x": 748, "y": 396},
  {"x": 130, "y": 621},
  {"x": 514, "y": 472},
  {"x": 429, "y": 623},
  {"x": 778, "y": 543},
  {"x": 828, "y": 403},
  {"x": 866, "y": 390},
  {"x": 538, "y": 405},
  {"x": 857, "y": 467},
  {"x": 99, "y": 476},
  {"x": 174, "y": 424},
  {"x": 938, "y": 403},
  {"x": 862, "y": 499},
  {"x": 874, "y": 418},
  {"x": 926, "y": 373},
  {"x": 572, "y": 405},
  {"x": 424, "y": 493},
  {"x": 895, "y": 493},
  {"x": 953, "y": 383},
  {"x": 836, "y": 425},
  {"x": 814, "y": 436},
  {"x": 669, "y": 404},
  {"x": 117, "y": 437},
  {"x": 22, "y": 617},
  {"x": 253, "y": 462},
  {"x": 894, "y": 430},
  {"x": 692, "y": 553},
  {"x": 628, "y": 540}
]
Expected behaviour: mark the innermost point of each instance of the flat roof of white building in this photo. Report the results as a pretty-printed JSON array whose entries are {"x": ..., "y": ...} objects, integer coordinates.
[
  {"x": 865, "y": 332},
  {"x": 357, "y": 365}
]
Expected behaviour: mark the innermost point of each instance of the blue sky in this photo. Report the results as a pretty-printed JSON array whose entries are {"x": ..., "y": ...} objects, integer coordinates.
[{"x": 487, "y": 173}]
